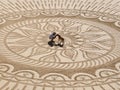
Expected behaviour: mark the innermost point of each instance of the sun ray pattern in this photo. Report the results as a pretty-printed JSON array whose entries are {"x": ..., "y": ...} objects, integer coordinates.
[{"x": 89, "y": 59}]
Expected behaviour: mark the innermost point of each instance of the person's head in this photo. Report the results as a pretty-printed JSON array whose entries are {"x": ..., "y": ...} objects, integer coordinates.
[{"x": 54, "y": 33}]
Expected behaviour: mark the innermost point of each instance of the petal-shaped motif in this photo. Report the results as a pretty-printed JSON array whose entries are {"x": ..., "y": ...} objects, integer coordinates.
[
  {"x": 66, "y": 23},
  {"x": 49, "y": 12},
  {"x": 85, "y": 28},
  {"x": 51, "y": 27},
  {"x": 18, "y": 49},
  {"x": 105, "y": 72},
  {"x": 15, "y": 35},
  {"x": 6, "y": 67},
  {"x": 70, "y": 12},
  {"x": 74, "y": 28},
  {"x": 107, "y": 19},
  {"x": 82, "y": 76},
  {"x": 69, "y": 53},
  {"x": 34, "y": 26},
  {"x": 31, "y": 13},
  {"x": 29, "y": 32},
  {"x": 50, "y": 58},
  {"x": 92, "y": 53},
  {"x": 55, "y": 76},
  {"x": 25, "y": 42},
  {"x": 13, "y": 16},
  {"x": 38, "y": 51},
  {"x": 26, "y": 74},
  {"x": 88, "y": 14}
]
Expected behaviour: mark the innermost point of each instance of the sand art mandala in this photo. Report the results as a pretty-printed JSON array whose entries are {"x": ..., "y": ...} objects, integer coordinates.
[
  {"x": 89, "y": 59},
  {"x": 84, "y": 43}
]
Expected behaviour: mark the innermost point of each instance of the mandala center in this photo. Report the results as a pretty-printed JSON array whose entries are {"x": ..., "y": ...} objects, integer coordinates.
[{"x": 70, "y": 40}]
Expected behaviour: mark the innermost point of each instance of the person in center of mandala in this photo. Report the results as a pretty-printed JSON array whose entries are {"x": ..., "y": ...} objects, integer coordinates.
[{"x": 56, "y": 40}]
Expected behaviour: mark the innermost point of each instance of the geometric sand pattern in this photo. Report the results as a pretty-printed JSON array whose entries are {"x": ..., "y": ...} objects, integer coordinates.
[{"x": 89, "y": 60}]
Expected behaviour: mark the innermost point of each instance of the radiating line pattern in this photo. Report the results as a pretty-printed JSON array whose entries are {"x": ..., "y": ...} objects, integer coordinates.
[
  {"x": 105, "y": 6},
  {"x": 88, "y": 61}
]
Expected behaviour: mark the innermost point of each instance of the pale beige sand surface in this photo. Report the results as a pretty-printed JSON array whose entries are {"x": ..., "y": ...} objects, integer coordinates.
[{"x": 89, "y": 60}]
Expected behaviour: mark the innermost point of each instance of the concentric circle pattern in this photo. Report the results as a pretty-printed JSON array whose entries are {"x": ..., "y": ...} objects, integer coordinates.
[{"x": 89, "y": 59}]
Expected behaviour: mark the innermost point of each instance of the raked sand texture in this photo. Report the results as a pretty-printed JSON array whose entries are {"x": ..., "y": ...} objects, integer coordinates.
[{"x": 89, "y": 59}]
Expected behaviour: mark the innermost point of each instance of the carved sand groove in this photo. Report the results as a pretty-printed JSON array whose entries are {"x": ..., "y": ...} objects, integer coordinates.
[{"x": 89, "y": 60}]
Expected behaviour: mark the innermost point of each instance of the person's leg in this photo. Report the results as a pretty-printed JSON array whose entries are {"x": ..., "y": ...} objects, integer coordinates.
[
  {"x": 56, "y": 40},
  {"x": 61, "y": 43}
]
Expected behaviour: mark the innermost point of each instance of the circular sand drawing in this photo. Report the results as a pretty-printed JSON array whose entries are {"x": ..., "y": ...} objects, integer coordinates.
[
  {"x": 84, "y": 43},
  {"x": 89, "y": 59}
]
